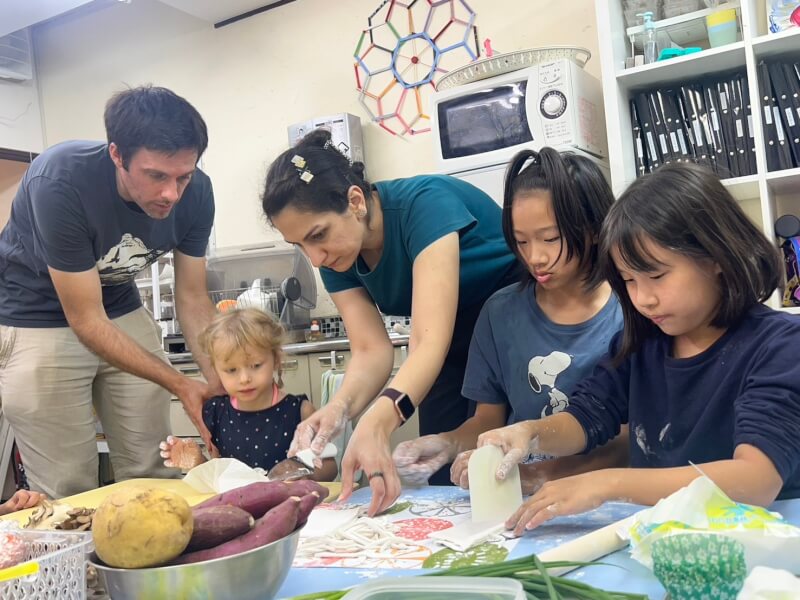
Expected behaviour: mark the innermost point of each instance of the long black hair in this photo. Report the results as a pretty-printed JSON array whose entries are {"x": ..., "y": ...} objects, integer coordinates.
[
  {"x": 581, "y": 199},
  {"x": 684, "y": 208},
  {"x": 313, "y": 176},
  {"x": 153, "y": 118}
]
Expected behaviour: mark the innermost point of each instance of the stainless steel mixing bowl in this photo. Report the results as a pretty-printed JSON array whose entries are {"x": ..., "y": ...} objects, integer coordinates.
[{"x": 253, "y": 575}]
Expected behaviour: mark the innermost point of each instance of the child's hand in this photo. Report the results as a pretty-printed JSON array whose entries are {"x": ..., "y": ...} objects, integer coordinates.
[
  {"x": 21, "y": 500},
  {"x": 567, "y": 496},
  {"x": 459, "y": 473},
  {"x": 181, "y": 453},
  {"x": 517, "y": 441}
]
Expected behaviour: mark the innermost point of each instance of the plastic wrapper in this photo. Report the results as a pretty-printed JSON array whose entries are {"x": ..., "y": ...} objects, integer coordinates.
[{"x": 701, "y": 507}]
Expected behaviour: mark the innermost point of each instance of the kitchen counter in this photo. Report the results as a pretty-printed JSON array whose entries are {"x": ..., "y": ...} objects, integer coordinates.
[{"x": 326, "y": 345}]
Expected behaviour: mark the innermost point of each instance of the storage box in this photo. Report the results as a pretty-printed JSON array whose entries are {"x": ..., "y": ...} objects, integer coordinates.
[
  {"x": 62, "y": 567},
  {"x": 439, "y": 588},
  {"x": 631, "y": 8},
  {"x": 673, "y": 8}
]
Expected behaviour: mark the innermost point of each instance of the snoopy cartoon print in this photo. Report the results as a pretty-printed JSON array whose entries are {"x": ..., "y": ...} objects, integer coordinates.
[{"x": 542, "y": 373}]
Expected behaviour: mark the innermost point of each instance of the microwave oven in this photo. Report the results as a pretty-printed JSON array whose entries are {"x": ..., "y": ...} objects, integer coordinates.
[{"x": 485, "y": 123}]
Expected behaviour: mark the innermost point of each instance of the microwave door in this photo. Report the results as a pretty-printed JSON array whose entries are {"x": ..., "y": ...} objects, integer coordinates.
[{"x": 484, "y": 121}]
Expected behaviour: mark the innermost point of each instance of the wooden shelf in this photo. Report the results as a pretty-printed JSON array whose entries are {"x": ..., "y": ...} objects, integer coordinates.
[
  {"x": 775, "y": 44},
  {"x": 784, "y": 182},
  {"x": 691, "y": 66},
  {"x": 743, "y": 188},
  {"x": 684, "y": 30}
]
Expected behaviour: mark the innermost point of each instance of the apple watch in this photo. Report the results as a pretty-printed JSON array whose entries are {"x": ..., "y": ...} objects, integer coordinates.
[{"x": 402, "y": 403}]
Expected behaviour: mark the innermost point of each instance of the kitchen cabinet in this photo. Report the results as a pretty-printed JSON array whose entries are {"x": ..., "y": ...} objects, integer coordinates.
[
  {"x": 318, "y": 363},
  {"x": 763, "y": 196},
  {"x": 295, "y": 375}
]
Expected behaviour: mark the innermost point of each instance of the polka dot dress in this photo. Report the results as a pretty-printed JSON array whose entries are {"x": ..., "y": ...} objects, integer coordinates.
[{"x": 259, "y": 439}]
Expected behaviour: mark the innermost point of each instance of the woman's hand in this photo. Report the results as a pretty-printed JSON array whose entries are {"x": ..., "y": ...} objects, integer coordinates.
[
  {"x": 416, "y": 460},
  {"x": 568, "y": 496},
  {"x": 181, "y": 453},
  {"x": 21, "y": 500},
  {"x": 517, "y": 441},
  {"x": 368, "y": 450},
  {"x": 317, "y": 430}
]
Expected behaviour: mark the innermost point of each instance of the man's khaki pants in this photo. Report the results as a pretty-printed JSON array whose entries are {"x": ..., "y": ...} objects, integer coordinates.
[{"x": 49, "y": 382}]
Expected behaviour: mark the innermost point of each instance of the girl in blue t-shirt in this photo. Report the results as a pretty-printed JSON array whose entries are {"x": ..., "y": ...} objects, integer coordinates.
[
  {"x": 703, "y": 372},
  {"x": 255, "y": 421},
  {"x": 534, "y": 340}
]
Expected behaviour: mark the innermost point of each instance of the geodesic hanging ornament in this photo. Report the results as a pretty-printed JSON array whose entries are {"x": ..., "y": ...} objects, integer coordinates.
[{"x": 405, "y": 46}]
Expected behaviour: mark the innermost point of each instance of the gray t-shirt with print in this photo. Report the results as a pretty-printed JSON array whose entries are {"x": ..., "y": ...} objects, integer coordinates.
[{"x": 68, "y": 215}]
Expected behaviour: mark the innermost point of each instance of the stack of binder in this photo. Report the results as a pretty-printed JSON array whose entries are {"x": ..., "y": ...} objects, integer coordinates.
[
  {"x": 779, "y": 86},
  {"x": 706, "y": 121}
]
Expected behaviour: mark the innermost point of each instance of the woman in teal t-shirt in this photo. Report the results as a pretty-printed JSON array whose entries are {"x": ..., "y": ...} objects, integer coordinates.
[{"x": 429, "y": 247}]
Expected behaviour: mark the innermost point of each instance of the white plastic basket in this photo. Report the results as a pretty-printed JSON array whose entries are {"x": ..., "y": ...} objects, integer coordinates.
[{"x": 62, "y": 567}]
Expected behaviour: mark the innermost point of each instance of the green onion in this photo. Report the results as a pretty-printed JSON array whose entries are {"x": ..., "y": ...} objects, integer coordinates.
[{"x": 530, "y": 572}]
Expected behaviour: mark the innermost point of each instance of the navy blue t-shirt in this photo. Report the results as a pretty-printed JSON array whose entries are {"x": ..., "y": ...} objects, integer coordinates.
[
  {"x": 519, "y": 357},
  {"x": 261, "y": 438},
  {"x": 68, "y": 215},
  {"x": 745, "y": 389}
]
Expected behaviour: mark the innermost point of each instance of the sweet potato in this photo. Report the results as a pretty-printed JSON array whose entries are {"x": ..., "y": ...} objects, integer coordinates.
[
  {"x": 277, "y": 523},
  {"x": 215, "y": 525},
  {"x": 307, "y": 504},
  {"x": 306, "y": 486},
  {"x": 255, "y": 498}
]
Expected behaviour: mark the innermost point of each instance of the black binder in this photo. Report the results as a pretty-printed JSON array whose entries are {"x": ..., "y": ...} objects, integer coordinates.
[
  {"x": 787, "y": 105},
  {"x": 639, "y": 151},
  {"x": 722, "y": 166},
  {"x": 775, "y": 141}
]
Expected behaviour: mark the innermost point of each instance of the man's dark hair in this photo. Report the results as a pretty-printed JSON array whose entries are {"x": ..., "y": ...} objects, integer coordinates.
[{"x": 153, "y": 118}]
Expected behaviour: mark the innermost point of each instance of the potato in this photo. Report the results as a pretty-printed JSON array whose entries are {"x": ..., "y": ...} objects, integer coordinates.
[{"x": 141, "y": 527}]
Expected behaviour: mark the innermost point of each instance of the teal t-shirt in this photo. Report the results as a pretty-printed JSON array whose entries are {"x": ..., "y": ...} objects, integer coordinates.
[{"x": 417, "y": 211}]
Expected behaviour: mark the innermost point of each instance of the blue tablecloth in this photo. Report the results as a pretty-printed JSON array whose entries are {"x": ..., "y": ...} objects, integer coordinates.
[{"x": 631, "y": 577}]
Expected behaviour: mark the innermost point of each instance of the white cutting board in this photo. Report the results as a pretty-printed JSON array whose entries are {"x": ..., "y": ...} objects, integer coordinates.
[{"x": 491, "y": 499}]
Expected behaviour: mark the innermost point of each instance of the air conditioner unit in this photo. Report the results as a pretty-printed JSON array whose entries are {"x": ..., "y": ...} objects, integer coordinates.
[{"x": 16, "y": 56}]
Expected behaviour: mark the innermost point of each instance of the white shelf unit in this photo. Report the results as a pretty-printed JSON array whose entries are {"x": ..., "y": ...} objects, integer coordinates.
[{"x": 764, "y": 196}]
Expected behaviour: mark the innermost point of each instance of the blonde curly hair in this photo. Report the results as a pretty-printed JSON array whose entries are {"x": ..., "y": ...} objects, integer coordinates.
[{"x": 250, "y": 328}]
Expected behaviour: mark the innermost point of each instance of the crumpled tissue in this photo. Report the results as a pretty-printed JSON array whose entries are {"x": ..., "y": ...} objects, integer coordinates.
[
  {"x": 220, "y": 475},
  {"x": 702, "y": 507}
]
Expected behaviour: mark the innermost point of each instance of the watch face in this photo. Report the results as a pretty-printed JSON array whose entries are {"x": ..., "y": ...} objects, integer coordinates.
[{"x": 406, "y": 406}]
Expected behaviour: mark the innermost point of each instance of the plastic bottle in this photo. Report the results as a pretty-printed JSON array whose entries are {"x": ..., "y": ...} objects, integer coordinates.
[{"x": 650, "y": 42}]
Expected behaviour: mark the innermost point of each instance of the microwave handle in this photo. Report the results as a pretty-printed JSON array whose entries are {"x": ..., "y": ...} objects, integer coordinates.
[{"x": 582, "y": 56}]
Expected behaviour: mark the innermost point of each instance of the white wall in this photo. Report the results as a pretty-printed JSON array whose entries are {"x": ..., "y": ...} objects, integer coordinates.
[{"x": 251, "y": 79}]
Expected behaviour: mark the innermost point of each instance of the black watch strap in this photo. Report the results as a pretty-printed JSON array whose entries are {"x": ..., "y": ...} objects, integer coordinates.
[{"x": 402, "y": 403}]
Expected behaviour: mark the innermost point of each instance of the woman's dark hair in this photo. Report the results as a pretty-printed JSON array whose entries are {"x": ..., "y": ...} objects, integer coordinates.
[
  {"x": 581, "y": 199},
  {"x": 153, "y": 118},
  {"x": 685, "y": 208},
  {"x": 313, "y": 176}
]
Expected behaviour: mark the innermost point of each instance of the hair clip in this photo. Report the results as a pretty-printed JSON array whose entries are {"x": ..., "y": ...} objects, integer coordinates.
[
  {"x": 300, "y": 164},
  {"x": 330, "y": 144}
]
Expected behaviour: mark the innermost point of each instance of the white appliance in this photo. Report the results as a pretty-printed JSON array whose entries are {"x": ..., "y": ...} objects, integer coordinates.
[
  {"x": 478, "y": 127},
  {"x": 345, "y": 133}
]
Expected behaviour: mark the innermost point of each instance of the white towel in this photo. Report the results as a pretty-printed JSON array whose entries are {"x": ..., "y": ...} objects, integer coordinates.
[{"x": 331, "y": 382}]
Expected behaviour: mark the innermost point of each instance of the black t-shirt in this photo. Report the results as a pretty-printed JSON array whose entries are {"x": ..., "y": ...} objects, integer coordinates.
[
  {"x": 68, "y": 215},
  {"x": 261, "y": 438}
]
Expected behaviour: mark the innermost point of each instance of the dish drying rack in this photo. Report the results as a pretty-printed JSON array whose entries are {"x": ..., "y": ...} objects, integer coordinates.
[{"x": 265, "y": 297}]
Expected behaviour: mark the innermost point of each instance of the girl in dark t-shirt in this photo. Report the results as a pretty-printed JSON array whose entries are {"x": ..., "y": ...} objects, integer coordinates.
[{"x": 254, "y": 422}]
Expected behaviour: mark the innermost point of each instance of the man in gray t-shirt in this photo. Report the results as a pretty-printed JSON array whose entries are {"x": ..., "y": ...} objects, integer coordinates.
[{"x": 87, "y": 217}]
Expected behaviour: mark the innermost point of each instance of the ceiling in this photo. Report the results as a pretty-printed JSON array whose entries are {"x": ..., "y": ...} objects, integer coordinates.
[
  {"x": 18, "y": 14},
  {"x": 215, "y": 11}
]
